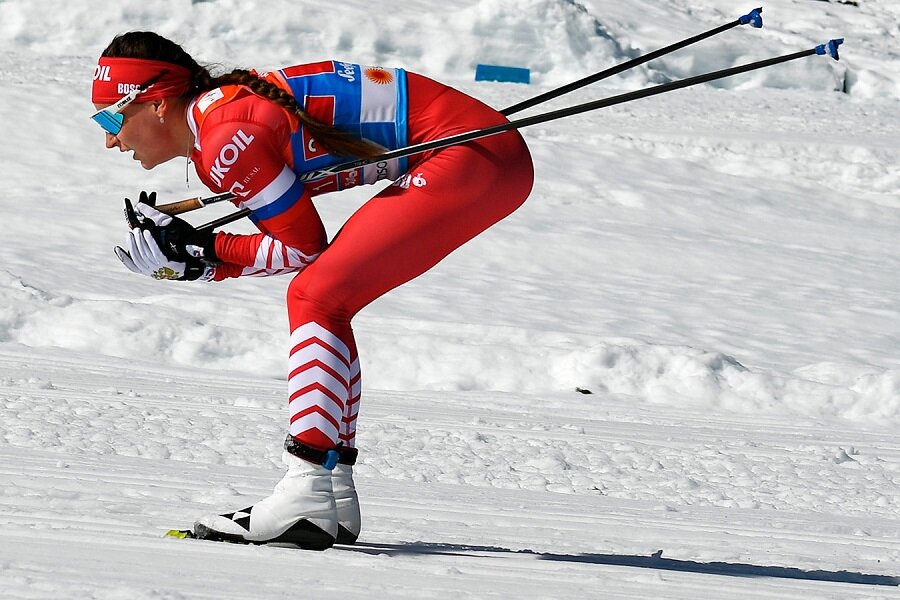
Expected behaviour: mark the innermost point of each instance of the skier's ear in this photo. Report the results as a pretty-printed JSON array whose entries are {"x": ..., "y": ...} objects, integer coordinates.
[{"x": 161, "y": 107}]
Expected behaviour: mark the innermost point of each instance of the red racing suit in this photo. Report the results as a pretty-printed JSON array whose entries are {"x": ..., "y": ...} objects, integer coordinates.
[{"x": 439, "y": 200}]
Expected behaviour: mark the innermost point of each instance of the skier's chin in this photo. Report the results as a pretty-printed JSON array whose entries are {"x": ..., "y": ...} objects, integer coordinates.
[{"x": 147, "y": 165}]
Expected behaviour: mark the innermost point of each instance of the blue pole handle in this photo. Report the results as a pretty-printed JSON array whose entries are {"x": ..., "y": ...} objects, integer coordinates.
[
  {"x": 830, "y": 48},
  {"x": 754, "y": 18}
]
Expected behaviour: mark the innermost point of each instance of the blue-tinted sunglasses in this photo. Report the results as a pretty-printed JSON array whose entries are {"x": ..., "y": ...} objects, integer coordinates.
[{"x": 111, "y": 118}]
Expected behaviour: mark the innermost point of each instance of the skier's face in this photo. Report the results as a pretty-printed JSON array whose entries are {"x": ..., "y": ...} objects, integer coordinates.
[{"x": 143, "y": 134}]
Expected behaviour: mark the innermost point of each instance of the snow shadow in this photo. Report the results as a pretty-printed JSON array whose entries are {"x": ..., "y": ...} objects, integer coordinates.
[{"x": 655, "y": 561}]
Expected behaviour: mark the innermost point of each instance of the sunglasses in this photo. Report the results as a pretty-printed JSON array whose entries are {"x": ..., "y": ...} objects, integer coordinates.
[{"x": 111, "y": 118}]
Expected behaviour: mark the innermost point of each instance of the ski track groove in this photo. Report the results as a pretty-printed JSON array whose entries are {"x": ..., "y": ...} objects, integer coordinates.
[
  {"x": 619, "y": 443},
  {"x": 38, "y": 471}
]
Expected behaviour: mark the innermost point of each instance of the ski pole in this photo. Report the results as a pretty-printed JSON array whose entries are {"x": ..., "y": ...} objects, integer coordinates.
[
  {"x": 189, "y": 204},
  {"x": 830, "y": 47},
  {"x": 753, "y": 18}
]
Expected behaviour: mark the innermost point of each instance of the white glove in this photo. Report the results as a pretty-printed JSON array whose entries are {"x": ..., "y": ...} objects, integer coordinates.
[
  {"x": 177, "y": 238},
  {"x": 145, "y": 257}
]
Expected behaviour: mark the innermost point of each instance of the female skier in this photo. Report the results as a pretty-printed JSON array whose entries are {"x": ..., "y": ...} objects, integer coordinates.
[{"x": 251, "y": 134}]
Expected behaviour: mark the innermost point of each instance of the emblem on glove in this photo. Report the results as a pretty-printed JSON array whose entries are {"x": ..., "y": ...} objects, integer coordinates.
[{"x": 164, "y": 273}]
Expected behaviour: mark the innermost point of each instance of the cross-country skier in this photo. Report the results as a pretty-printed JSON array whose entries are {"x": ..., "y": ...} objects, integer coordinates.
[{"x": 251, "y": 134}]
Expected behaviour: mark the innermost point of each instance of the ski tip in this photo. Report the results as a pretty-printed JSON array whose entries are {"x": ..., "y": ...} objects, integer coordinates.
[
  {"x": 180, "y": 534},
  {"x": 753, "y": 18}
]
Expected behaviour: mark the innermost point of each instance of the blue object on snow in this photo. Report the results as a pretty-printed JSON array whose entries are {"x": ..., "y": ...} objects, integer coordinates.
[
  {"x": 754, "y": 17},
  {"x": 830, "y": 48},
  {"x": 498, "y": 73}
]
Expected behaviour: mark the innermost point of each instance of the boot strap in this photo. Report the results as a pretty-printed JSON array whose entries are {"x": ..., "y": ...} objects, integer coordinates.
[{"x": 327, "y": 458}]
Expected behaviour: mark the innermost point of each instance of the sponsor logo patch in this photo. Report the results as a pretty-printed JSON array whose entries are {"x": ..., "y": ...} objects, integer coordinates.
[
  {"x": 378, "y": 75},
  {"x": 126, "y": 88},
  {"x": 101, "y": 73},
  {"x": 349, "y": 71},
  {"x": 228, "y": 155},
  {"x": 417, "y": 180},
  {"x": 208, "y": 98}
]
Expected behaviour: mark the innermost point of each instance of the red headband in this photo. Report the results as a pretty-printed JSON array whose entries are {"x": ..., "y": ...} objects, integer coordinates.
[{"x": 117, "y": 77}]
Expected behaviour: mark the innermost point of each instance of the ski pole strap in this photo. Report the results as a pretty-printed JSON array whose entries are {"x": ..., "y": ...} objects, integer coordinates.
[{"x": 327, "y": 458}]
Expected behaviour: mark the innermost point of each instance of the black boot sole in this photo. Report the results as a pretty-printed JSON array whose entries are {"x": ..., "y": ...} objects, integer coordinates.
[
  {"x": 303, "y": 534},
  {"x": 345, "y": 536}
]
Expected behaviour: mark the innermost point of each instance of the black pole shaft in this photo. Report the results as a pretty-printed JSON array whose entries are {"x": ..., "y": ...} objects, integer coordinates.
[
  {"x": 554, "y": 115},
  {"x": 593, "y": 78},
  {"x": 533, "y": 120},
  {"x": 235, "y": 216},
  {"x": 555, "y": 93},
  {"x": 627, "y": 97}
]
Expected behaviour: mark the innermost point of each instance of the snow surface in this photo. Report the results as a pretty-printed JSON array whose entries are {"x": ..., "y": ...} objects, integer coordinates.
[{"x": 718, "y": 266}]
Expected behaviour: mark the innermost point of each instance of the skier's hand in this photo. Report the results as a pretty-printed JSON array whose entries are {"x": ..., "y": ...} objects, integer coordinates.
[
  {"x": 144, "y": 256},
  {"x": 175, "y": 237},
  {"x": 162, "y": 246}
]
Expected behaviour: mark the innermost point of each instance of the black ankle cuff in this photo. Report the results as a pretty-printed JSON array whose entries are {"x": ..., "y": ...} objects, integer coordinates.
[{"x": 326, "y": 458}]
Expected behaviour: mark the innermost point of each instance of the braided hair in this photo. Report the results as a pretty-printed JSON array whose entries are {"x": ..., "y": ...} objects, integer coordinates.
[{"x": 150, "y": 45}]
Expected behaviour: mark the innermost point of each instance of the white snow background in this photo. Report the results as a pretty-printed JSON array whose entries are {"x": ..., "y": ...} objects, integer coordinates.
[{"x": 718, "y": 266}]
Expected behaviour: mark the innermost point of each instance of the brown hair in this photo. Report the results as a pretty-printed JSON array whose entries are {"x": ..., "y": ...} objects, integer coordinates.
[{"x": 150, "y": 45}]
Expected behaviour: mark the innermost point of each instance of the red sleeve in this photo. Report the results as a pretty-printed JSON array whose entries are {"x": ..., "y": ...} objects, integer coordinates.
[{"x": 243, "y": 148}]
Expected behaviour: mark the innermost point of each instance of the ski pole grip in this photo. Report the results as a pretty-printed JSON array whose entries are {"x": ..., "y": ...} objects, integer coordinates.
[{"x": 183, "y": 206}]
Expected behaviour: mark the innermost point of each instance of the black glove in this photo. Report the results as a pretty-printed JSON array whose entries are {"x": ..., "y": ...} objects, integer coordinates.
[
  {"x": 177, "y": 238},
  {"x": 144, "y": 256}
]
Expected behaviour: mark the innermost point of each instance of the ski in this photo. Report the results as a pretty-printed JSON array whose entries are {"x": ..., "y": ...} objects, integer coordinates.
[
  {"x": 188, "y": 534},
  {"x": 181, "y": 534}
]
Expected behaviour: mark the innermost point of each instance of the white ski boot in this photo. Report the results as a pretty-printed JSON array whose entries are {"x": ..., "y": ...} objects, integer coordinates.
[
  {"x": 349, "y": 523},
  {"x": 300, "y": 511}
]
